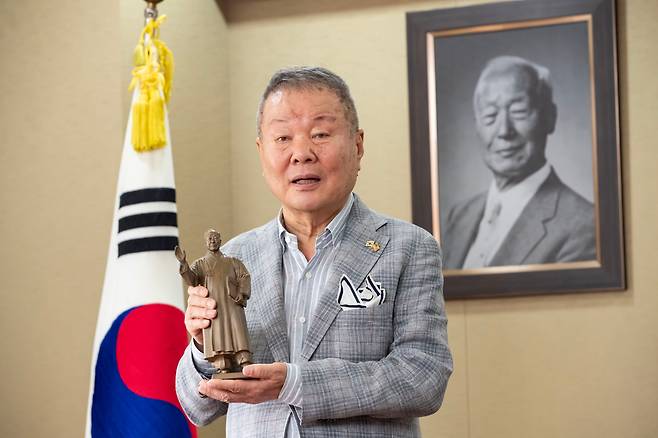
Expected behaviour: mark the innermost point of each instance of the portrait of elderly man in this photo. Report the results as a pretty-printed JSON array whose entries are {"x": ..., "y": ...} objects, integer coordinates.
[
  {"x": 527, "y": 215},
  {"x": 346, "y": 317}
]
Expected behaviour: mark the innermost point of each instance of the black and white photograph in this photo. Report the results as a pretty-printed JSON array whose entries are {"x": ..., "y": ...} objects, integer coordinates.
[
  {"x": 513, "y": 130},
  {"x": 515, "y": 147}
]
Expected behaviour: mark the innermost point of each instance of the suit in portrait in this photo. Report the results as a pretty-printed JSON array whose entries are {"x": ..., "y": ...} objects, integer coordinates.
[
  {"x": 366, "y": 372},
  {"x": 557, "y": 225}
]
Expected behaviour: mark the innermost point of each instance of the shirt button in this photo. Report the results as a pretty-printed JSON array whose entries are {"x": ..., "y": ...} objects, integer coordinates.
[
  {"x": 302, "y": 319},
  {"x": 308, "y": 275}
]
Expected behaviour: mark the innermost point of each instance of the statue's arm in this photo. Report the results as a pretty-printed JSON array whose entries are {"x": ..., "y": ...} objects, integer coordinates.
[
  {"x": 245, "y": 286},
  {"x": 244, "y": 280},
  {"x": 189, "y": 274}
]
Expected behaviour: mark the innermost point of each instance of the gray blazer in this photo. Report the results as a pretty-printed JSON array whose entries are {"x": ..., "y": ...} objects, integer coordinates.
[
  {"x": 365, "y": 372},
  {"x": 557, "y": 225}
]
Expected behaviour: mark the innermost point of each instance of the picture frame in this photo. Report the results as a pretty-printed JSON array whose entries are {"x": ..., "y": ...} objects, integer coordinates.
[{"x": 470, "y": 153}]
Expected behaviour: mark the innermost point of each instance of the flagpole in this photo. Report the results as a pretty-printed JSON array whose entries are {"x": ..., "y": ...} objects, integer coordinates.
[{"x": 151, "y": 11}]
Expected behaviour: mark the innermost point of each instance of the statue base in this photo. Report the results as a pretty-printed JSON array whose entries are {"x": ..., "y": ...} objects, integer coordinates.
[{"x": 237, "y": 375}]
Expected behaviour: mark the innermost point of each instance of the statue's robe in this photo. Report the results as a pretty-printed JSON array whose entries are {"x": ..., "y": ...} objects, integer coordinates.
[{"x": 226, "y": 278}]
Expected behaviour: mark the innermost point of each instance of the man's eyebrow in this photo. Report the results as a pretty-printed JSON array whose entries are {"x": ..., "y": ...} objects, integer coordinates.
[{"x": 326, "y": 117}]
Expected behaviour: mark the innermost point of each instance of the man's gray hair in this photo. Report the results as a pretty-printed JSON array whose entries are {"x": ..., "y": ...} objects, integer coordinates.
[
  {"x": 308, "y": 78},
  {"x": 540, "y": 88}
]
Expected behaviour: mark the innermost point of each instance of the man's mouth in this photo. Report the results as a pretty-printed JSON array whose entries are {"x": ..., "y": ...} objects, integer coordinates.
[
  {"x": 508, "y": 151},
  {"x": 306, "y": 179}
]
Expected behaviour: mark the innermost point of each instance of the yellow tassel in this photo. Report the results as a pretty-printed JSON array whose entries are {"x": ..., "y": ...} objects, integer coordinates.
[
  {"x": 156, "y": 120},
  {"x": 167, "y": 64},
  {"x": 138, "y": 55},
  {"x": 153, "y": 72}
]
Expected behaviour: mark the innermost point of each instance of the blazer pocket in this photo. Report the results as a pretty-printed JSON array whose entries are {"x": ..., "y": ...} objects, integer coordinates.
[
  {"x": 376, "y": 315},
  {"x": 360, "y": 334}
]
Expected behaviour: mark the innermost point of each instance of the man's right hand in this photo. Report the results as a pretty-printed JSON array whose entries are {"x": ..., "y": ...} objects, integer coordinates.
[{"x": 200, "y": 310}]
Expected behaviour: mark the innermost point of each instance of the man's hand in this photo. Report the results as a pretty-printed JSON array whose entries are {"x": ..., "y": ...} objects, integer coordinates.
[
  {"x": 200, "y": 310},
  {"x": 266, "y": 385}
]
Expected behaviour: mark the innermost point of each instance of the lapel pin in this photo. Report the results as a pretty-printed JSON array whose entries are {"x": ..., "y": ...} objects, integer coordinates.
[{"x": 374, "y": 246}]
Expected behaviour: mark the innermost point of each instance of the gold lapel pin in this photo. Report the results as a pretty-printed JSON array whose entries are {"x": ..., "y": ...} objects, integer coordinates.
[{"x": 374, "y": 246}]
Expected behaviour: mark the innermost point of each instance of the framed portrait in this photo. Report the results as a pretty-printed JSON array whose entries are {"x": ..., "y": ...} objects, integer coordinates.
[{"x": 515, "y": 145}]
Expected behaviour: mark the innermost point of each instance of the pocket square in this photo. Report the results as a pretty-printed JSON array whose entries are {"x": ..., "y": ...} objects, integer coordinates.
[{"x": 370, "y": 295}]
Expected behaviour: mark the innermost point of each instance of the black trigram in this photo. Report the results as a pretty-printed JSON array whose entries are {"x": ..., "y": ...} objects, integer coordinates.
[{"x": 142, "y": 215}]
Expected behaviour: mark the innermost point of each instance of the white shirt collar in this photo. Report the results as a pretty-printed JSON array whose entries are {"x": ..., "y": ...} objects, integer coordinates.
[
  {"x": 519, "y": 193},
  {"x": 334, "y": 229}
]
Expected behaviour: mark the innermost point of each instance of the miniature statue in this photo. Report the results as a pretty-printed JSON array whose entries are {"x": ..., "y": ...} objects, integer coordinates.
[{"x": 226, "y": 340}]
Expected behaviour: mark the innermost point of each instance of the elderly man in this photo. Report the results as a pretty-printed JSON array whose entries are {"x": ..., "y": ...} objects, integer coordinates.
[
  {"x": 346, "y": 317},
  {"x": 528, "y": 215}
]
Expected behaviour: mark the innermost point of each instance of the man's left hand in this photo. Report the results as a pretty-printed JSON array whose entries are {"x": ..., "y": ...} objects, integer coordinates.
[{"x": 266, "y": 383}]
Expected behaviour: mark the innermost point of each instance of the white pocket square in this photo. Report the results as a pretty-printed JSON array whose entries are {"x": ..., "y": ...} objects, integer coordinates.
[{"x": 370, "y": 295}]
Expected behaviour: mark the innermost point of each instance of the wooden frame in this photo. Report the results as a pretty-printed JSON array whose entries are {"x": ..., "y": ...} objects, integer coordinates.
[{"x": 447, "y": 50}]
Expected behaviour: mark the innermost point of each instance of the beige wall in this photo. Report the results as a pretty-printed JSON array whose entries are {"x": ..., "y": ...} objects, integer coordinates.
[
  {"x": 60, "y": 124},
  {"x": 567, "y": 366}
]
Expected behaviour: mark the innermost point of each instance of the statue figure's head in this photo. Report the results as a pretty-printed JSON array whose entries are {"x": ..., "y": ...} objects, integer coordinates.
[{"x": 213, "y": 239}]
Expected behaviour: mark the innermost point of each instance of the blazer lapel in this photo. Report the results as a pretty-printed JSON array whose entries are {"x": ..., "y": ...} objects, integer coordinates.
[
  {"x": 463, "y": 233},
  {"x": 354, "y": 259},
  {"x": 269, "y": 303},
  {"x": 529, "y": 229}
]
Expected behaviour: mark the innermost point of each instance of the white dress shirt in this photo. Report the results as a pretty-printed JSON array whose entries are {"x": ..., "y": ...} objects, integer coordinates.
[{"x": 303, "y": 281}]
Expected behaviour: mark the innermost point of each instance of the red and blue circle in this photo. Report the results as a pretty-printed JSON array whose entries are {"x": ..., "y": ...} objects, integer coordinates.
[{"x": 134, "y": 389}]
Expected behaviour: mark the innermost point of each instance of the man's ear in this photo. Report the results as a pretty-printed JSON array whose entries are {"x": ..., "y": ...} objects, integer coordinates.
[
  {"x": 550, "y": 117},
  {"x": 259, "y": 144},
  {"x": 359, "y": 136}
]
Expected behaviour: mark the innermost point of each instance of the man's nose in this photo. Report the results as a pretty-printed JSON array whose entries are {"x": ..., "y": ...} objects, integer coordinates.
[
  {"x": 505, "y": 126},
  {"x": 303, "y": 151}
]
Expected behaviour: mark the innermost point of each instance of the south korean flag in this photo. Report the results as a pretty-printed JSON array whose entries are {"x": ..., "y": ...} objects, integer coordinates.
[{"x": 140, "y": 334}]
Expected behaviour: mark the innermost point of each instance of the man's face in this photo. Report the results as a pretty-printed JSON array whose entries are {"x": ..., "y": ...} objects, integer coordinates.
[
  {"x": 513, "y": 128},
  {"x": 213, "y": 242},
  {"x": 308, "y": 151}
]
